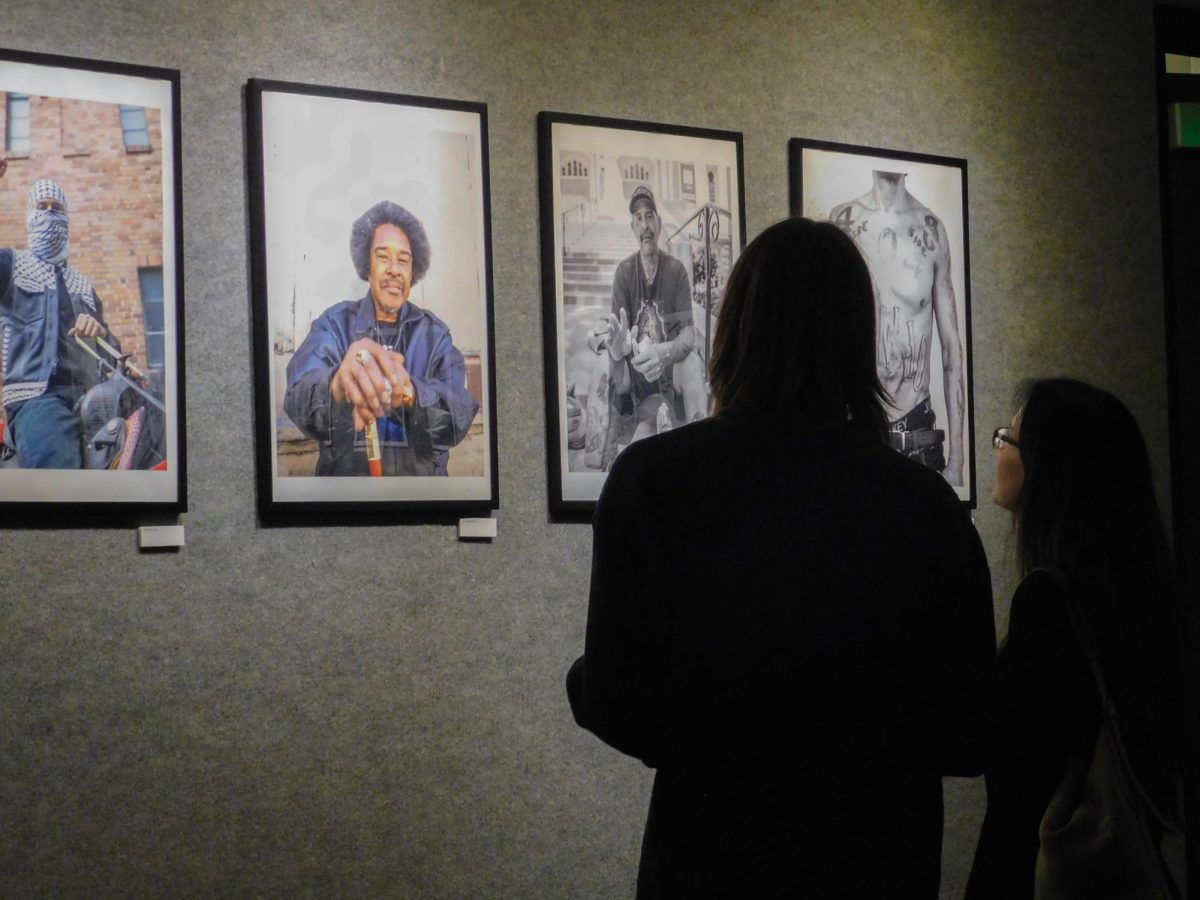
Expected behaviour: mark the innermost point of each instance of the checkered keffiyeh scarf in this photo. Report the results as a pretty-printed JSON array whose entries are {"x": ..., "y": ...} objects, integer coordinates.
[{"x": 47, "y": 228}]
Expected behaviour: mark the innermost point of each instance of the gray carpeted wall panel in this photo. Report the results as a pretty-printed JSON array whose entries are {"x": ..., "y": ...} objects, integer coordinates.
[{"x": 379, "y": 711}]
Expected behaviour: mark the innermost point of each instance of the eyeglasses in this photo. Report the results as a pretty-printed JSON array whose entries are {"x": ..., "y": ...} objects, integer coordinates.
[{"x": 1000, "y": 437}]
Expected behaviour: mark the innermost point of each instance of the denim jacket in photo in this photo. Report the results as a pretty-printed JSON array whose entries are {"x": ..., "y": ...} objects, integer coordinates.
[
  {"x": 29, "y": 322},
  {"x": 413, "y": 441}
]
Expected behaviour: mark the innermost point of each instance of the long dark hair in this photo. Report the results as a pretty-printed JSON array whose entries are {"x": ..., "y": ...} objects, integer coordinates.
[
  {"x": 1087, "y": 509},
  {"x": 796, "y": 331}
]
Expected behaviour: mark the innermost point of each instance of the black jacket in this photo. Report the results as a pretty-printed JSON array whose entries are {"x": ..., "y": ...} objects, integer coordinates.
[
  {"x": 796, "y": 631},
  {"x": 1046, "y": 711}
]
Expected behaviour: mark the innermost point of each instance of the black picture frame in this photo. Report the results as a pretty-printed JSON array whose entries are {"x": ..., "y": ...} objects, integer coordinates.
[
  {"x": 317, "y": 158},
  {"x": 843, "y": 183},
  {"x": 589, "y": 167},
  {"x": 116, "y": 149}
]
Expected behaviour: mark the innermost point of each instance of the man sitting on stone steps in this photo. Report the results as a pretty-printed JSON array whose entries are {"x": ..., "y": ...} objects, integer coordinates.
[{"x": 654, "y": 379}]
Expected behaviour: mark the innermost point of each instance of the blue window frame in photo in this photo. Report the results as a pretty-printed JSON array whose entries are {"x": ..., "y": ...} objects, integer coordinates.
[
  {"x": 150, "y": 280},
  {"x": 135, "y": 127},
  {"x": 19, "y": 138}
]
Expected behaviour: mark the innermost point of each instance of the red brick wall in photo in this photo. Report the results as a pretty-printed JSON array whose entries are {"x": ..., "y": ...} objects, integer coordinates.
[{"x": 114, "y": 197}]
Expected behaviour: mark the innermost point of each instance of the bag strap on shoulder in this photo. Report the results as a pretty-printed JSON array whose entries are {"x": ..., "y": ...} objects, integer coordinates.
[{"x": 1112, "y": 719}]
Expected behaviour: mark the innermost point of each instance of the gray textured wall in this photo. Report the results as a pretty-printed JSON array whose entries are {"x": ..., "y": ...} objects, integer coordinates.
[{"x": 379, "y": 711}]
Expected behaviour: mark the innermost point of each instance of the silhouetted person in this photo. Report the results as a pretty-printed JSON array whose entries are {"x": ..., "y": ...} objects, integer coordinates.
[
  {"x": 748, "y": 635},
  {"x": 1073, "y": 469}
]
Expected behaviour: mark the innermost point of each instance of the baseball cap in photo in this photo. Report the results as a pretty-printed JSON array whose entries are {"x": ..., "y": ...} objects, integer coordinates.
[{"x": 641, "y": 192}]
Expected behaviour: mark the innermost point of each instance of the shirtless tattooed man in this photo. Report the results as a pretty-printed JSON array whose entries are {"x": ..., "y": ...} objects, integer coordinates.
[{"x": 908, "y": 254}]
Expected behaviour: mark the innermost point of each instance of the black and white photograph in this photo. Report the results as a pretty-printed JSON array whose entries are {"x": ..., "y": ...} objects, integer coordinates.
[
  {"x": 907, "y": 214},
  {"x": 91, "y": 285},
  {"x": 372, "y": 300},
  {"x": 641, "y": 225}
]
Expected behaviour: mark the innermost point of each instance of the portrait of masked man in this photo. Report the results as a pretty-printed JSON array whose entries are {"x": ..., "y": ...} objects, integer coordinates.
[{"x": 45, "y": 305}]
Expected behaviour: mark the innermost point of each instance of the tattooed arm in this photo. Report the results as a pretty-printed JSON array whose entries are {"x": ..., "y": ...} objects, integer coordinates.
[{"x": 953, "y": 375}]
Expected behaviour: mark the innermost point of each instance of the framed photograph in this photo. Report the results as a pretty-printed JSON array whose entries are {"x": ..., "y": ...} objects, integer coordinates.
[
  {"x": 641, "y": 224},
  {"x": 91, "y": 287},
  {"x": 372, "y": 283},
  {"x": 907, "y": 213}
]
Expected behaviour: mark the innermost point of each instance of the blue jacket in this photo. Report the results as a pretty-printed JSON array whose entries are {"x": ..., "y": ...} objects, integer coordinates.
[
  {"x": 29, "y": 339},
  {"x": 413, "y": 441}
]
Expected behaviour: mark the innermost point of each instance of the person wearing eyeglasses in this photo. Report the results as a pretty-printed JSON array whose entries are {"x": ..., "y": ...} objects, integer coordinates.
[{"x": 1072, "y": 468}]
